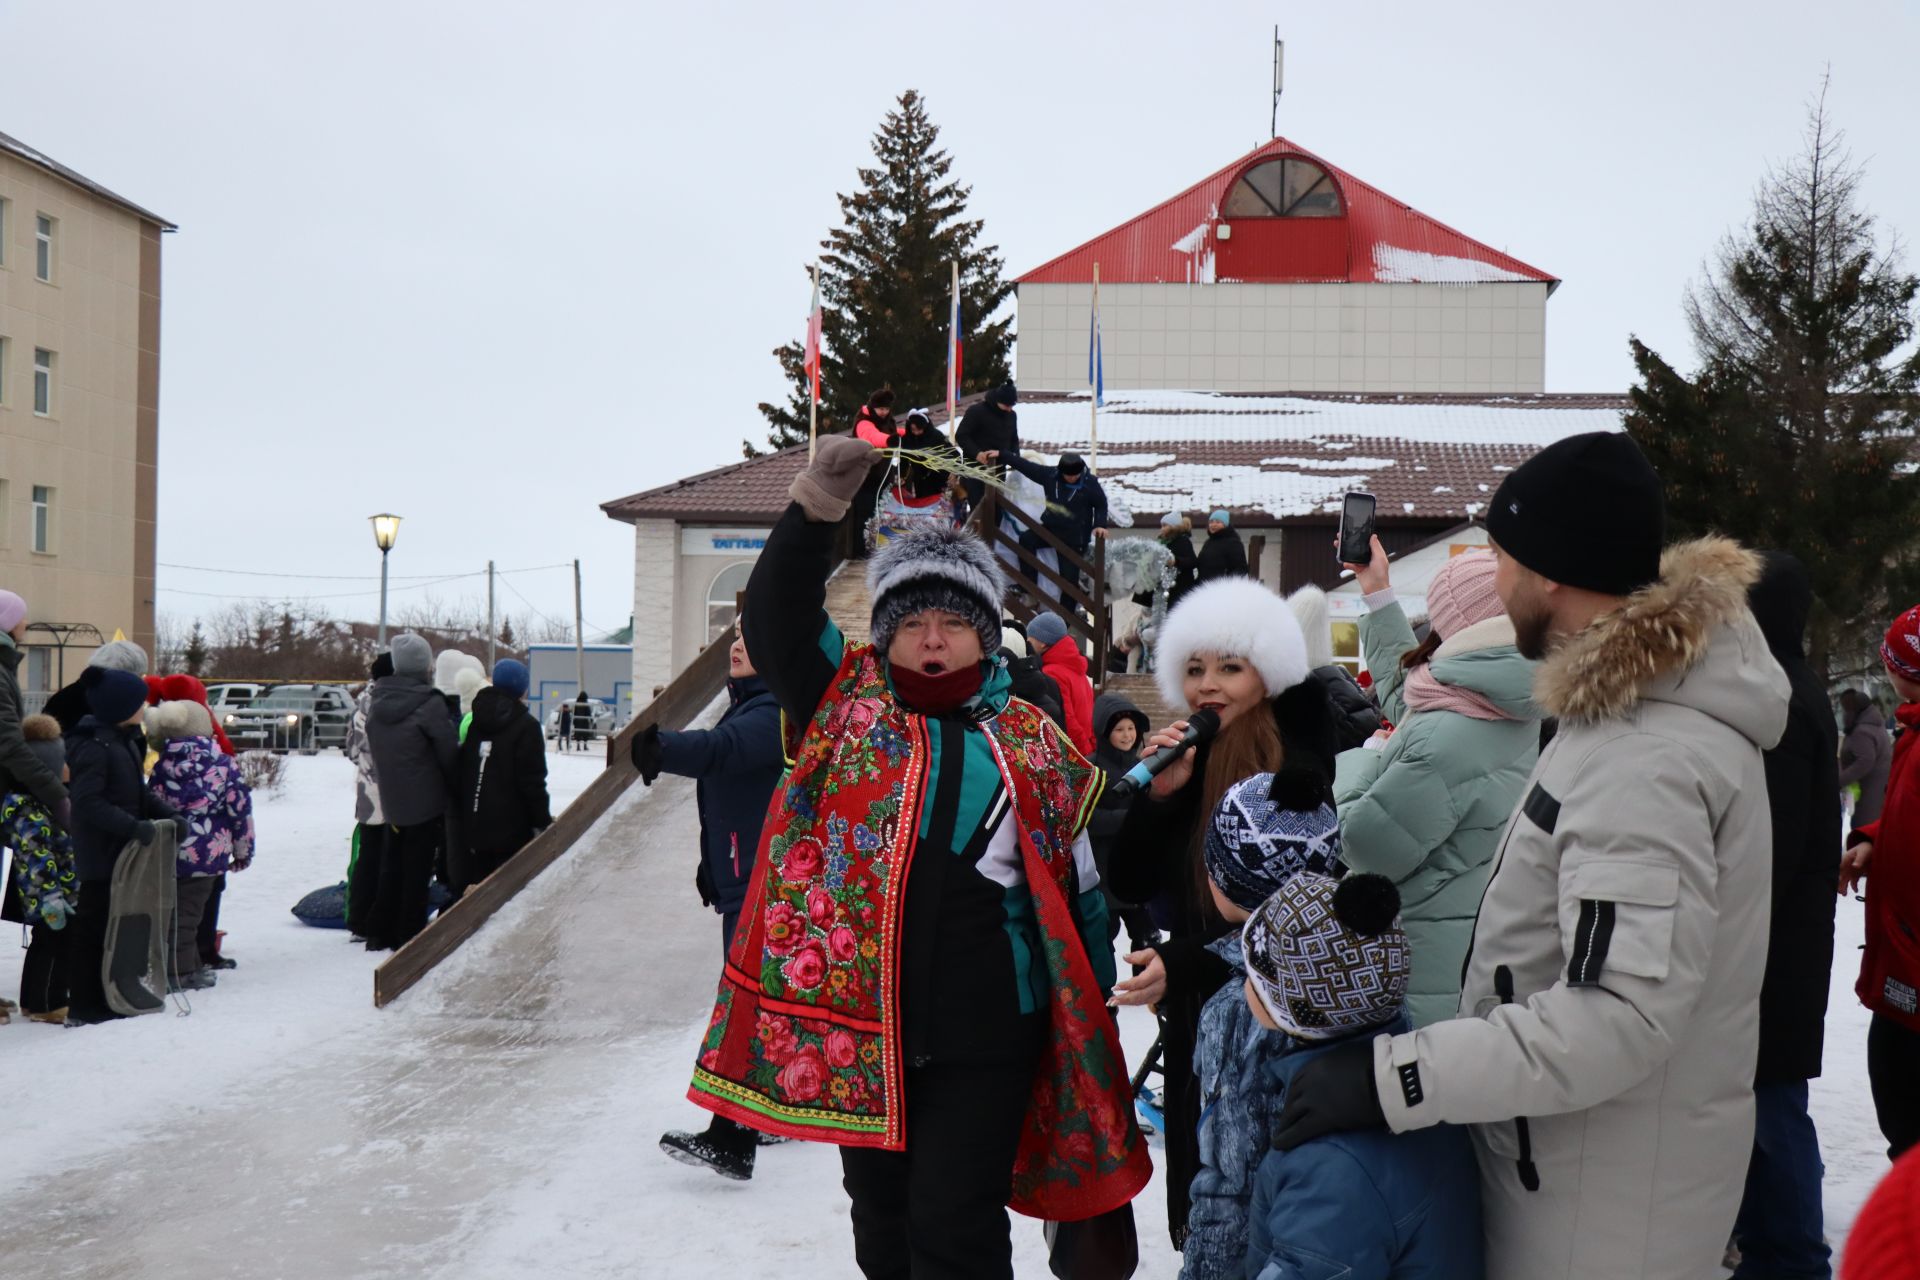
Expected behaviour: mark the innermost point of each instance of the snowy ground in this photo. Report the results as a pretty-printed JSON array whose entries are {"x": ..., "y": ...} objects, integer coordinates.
[{"x": 501, "y": 1119}]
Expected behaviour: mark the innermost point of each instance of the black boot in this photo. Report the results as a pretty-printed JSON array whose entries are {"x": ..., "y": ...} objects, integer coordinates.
[{"x": 725, "y": 1148}]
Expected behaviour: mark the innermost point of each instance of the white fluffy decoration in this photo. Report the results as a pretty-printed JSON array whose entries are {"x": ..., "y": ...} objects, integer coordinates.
[
  {"x": 1231, "y": 616},
  {"x": 1309, "y": 605}
]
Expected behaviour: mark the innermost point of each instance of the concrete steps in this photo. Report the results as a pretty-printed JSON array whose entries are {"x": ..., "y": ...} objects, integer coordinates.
[{"x": 847, "y": 601}]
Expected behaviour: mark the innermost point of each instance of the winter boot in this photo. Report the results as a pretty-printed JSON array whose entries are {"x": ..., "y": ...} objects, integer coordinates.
[
  {"x": 712, "y": 1151},
  {"x": 55, "y": 1016}
]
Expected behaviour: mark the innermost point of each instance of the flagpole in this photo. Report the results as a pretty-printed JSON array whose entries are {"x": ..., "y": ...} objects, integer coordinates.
[
  {"x": 953, "y": 346},
  {"x": 1093, "y": 393},
  {"x": 813, "y": 383}
]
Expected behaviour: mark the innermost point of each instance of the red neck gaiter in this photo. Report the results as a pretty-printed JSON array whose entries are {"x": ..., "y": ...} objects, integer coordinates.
[{"x": 936, "y": 695}]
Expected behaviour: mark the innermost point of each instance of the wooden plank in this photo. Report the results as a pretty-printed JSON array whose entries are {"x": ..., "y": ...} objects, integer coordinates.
[{"x": 675, "y": 708}]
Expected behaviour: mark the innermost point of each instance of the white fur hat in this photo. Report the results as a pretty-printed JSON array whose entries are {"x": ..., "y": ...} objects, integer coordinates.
[
  {"x": 1236, "y": 616},
  {"x": 1309, "y": 605},
  {"x": 181, "y": 719}
]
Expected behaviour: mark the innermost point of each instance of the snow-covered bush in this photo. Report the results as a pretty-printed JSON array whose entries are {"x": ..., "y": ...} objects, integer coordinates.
[{"x": 264, "y": 771}]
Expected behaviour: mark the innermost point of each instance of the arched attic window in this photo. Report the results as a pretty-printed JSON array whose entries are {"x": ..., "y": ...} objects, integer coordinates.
[{"x": 1284, "y": 187}]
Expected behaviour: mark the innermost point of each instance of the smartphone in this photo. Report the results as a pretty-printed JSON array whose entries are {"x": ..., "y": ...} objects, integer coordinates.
[{"x": 1356, "y": 529}]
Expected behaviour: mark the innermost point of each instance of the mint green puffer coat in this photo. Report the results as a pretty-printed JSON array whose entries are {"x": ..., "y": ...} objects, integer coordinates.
[{"x": 1427, "y": 810}]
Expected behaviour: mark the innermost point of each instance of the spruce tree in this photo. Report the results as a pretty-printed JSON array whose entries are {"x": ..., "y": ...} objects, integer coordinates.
[
  {"x": 1797, "y": 430},
  {"x": 196, "y": 655},
  {"x": 886, "y": 285}
]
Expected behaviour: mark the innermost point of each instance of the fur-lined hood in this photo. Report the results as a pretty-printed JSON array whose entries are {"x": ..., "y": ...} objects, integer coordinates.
[{"x": 1688, "y": 639}]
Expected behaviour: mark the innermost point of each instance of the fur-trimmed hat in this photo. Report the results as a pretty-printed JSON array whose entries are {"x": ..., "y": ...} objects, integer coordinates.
[
  {"x": 1328, "y": 957},
  {"x": 179, "y": 720},
  {"x": 936, "y": 568},
  {"x": 42, "y": 733},
  {"x": 1310, "y": 610},
  {"x": 1231, "y": 616}
]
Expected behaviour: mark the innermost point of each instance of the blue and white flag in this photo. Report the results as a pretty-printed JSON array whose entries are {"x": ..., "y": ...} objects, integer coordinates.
[{"x": 1096, "y": 376}]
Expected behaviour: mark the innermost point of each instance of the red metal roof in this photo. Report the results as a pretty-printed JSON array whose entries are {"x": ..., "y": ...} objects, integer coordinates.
[{"x": 1377, "y": 239}]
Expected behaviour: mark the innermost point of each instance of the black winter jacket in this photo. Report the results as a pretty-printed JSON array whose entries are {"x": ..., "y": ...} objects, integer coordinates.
[
  {"x": 1073, "y": 511},
  {"x": 415, "y": 749},
  {"x": 503, "y": 779},
  {"x": 1032, "y": 684},
  {"x": 1803, "y": 790},
  {"x": 738, "y": 763},
  {"x": 984, "y": 428},
  {"x": 20, "y": 769},
  {"x": 1222, "y": 555},
  {"x": 1355, "y": 718},
  {"x": 109, "y": 794}
]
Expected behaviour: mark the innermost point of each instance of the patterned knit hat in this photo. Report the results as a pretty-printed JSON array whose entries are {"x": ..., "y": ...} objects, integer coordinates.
[
  {"x": 1462, "y": 594},
  {"x": 1256, "y": 842},
  {"x": 936, "y": 568},
  {"x": 1901, "y": 649},
  {"x": 1326, "y": 956}
]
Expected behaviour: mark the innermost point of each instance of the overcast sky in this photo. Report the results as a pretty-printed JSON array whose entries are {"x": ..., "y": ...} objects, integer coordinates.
[{"x": 489, "y": 265}]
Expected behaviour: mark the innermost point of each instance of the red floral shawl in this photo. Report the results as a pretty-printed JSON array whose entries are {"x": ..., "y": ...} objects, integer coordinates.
[{"x": 805, "y": 1037}]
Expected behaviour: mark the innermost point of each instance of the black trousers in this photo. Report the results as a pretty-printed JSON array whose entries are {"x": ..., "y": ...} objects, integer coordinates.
[
  {"x": 363, "y": 877},
  {"x": 86, "y": 953},
  {"x": 938, "y": 1210},
  {"x": 209, "y": 935},
  {"x": 43, "y": 973},
  {"x": 406, "y": 871},
  {"x": 1893, "y": 1068}
]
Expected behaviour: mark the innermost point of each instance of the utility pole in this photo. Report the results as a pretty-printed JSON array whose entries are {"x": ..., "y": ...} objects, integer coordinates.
[
  {"x": 1279, "y": 69},
  {"x": 493, "y": 632},
  {"x": 579, "y": 638}
]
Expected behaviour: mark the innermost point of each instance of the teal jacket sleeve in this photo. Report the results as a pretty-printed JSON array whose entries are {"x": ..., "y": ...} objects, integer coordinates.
[
  {"x": 1385, "y": 636},
  {"x": 1395, "y": 808}
]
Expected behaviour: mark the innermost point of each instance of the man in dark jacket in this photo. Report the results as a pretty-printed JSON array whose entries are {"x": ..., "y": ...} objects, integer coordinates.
[
  {"x": 416, "y": 757},
  {"x": 1027, "y": 673},
  {"x": 503, "y": 778},
  {"x": 1076, "y": 504},
  {"x": 990, "y": 427},
  {"x": 1866, "y": 756},
  {"x": 20, "y": 769},
  {"x": 1779, "y": 1230},
  {"x": 738, "y": 763},
  {"x": 1222, "y": 555},
  {"x": 112, "y": 808}
]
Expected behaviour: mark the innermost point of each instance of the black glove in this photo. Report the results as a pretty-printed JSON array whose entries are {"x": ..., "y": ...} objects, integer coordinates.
[
  {"x": 143, "y": 831},
  {"x": 1334, "y": 1093},
  {"x": 646, "y": 753},
  {"x": 703, "y": 883}
]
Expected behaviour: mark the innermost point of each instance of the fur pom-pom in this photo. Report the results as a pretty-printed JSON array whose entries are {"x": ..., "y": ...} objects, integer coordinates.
[
  {"x": 1367, "y": 904},
  {"x": 1310, "y": 609},
  {"x": 1300, "y": 788}
]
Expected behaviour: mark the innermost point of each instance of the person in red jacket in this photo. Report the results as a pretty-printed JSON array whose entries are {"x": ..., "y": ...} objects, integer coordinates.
[
  {"x": 1887, "y": 858},
  {"x": 1066, "y": 666}
]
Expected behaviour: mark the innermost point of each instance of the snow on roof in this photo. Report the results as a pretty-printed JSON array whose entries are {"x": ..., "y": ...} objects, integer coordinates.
[{"x": 1394, "y": 265}]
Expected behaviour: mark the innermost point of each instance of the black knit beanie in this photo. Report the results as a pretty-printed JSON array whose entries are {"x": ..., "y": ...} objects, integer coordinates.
[{"x": 1587, "y": 512}]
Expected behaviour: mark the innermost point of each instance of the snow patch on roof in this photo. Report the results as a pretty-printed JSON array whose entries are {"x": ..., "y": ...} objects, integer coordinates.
[
  {"x": 1394, "y": 265},
  {"x": 1197, "y": 244},
  {"x": 1323, "y": 464},
  {"x": 1201, "y": 486}
]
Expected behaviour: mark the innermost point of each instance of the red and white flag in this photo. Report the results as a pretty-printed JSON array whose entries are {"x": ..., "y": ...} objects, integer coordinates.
[{"x": 813, "y": 340}]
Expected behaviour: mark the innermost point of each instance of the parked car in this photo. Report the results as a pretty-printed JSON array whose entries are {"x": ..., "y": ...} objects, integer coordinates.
[
  {"x": 599, "y": 725},
  {"x": 226, "y": 697},
  {"x": 291, "y": 717}
]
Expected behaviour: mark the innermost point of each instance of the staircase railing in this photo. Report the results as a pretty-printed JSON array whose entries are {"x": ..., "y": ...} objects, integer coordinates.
[{"x": 1086, "y": 611}]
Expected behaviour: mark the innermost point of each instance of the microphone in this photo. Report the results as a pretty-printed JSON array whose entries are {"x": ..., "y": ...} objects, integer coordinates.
[{"x": 1201, "y": 726}]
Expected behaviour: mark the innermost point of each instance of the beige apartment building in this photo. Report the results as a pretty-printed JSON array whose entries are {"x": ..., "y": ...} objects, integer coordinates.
[{"x": 79, "y": 409}]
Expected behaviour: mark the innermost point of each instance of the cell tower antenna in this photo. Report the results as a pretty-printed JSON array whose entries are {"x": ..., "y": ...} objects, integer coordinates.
[{"x": 1279, "y": 76}]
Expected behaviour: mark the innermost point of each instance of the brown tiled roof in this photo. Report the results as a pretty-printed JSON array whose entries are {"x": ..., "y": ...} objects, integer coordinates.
[{"x": 1155, "y": 446}]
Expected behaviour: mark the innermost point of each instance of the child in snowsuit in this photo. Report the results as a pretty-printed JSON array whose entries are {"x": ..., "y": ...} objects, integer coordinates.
[
  {"x": 1327, "y": 963},
  {"x": 503, "y": 778},
  {"x": 112, "y": 808},
  {"x": 205, "y": 787},
  {"x": 1265, "y": 830},
  {"x": 45, "y": 884}
]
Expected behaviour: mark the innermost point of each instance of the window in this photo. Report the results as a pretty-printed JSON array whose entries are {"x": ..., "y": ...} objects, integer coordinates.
[
  {"x": 39, "y": 670},
  {"x": 43, "y": 247},
  {"x": 1285, "y": 188},
  {"x": 43, "y": 519},
  {"x": 1346, "y": 646},
  {"x": 43, "y": 382},
  {"x": 723, "y": 597}
]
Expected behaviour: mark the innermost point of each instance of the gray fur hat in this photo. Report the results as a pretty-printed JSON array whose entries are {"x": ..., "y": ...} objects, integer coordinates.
[
  {"x": 120, "y": 655},
  {"x": 936, "y": 568}
]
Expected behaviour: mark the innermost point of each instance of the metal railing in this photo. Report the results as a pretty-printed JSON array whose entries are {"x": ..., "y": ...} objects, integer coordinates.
[{"x": 1085, "y": 610}]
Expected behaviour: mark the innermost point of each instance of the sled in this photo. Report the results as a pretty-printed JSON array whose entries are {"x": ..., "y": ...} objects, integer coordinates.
[
  {"x": 140, "y": 926},
  {"x": 324, "y": 908}
]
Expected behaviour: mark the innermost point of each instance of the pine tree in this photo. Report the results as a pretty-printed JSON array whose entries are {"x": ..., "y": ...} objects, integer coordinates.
[
  {"x": 886, "y": 285},
  {"x": 196, "y": 655},
  {"x": 1797, "y": 431},
  {"x": 508, "y": 640}
]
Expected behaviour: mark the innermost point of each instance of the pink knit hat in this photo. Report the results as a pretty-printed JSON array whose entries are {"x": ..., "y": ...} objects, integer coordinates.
[
  {"x": 1462, "y": 594},
  {"x": 13, "y": 611}
]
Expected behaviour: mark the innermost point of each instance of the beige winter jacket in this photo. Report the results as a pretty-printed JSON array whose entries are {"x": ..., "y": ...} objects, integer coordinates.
[{"x": 1610, "y": 1007}]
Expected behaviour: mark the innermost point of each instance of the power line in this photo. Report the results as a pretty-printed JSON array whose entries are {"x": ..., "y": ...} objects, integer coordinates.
[
  {"x": 335, "y": 595},
  {"x": 353, "y": 577}
]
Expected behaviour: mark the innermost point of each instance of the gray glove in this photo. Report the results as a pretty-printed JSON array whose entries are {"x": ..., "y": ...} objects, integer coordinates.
[{"x": 827, "y": 487}]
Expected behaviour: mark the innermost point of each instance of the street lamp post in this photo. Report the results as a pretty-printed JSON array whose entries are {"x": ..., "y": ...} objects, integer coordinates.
[{"x": 386, "y": 529}]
